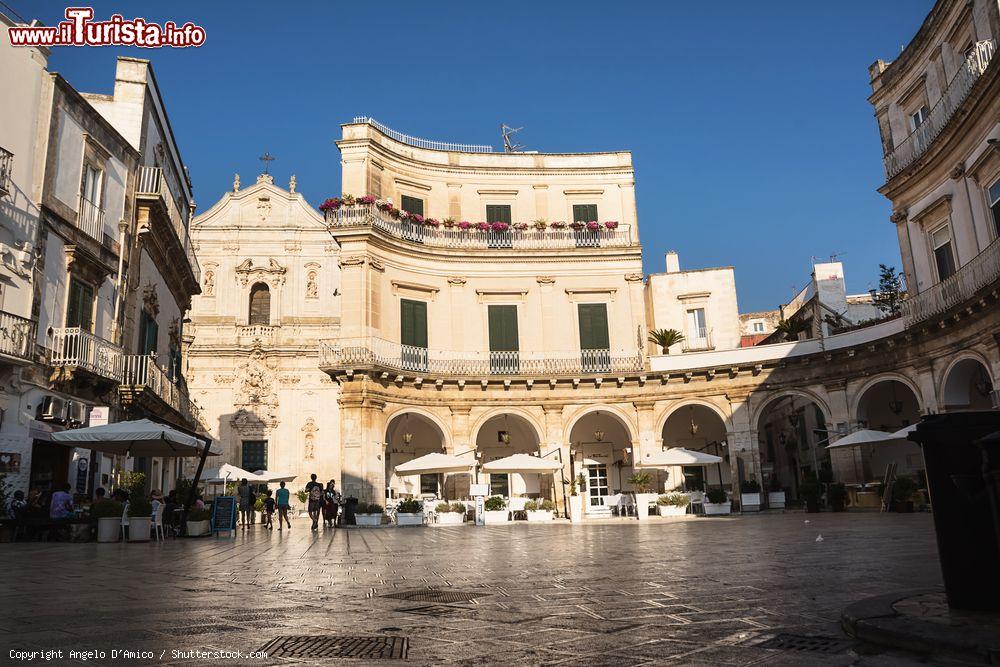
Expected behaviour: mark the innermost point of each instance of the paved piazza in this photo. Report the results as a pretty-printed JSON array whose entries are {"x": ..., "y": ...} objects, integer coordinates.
[{"x": 698, "y": 591}]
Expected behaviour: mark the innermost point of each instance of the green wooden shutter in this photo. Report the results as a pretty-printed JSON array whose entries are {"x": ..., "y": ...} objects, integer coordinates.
[
  {"x": 148, "y": 330},
  {"x": 503, "y": 328},
  {"x": 594, "y": 326},
  {"x": 412, "y": 205},
  {"x": 498, "y": 213},
  {"x": 80, "y": 307},
  {"x": 413, "y": 323},
  {"x": 584, "y": 212}
]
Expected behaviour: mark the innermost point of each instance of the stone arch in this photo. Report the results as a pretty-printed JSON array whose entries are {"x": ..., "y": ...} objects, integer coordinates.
[
  {"x": 777, "y": 394},
  {"x": 499, "y": 412},
  {"x": 882, "y": 377},
  {"x": 627, "y": 420},
  {"x": 949, "y": 388},
  {"x": 685, "y": 402},
  {"x": 435, "y": 419}
]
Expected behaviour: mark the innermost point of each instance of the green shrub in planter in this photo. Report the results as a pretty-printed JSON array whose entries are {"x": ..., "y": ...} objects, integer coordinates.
[
  {"x": 139, "y": 507},
  {"x": 716, "y": 496},
  {"x": 531, "y": 506},
  {"x": 811, "y": 491},
  {"x": 442, "y": 508},
  {"x": 547, "y": 506},
  {"x": 836, "y": 495},
  {"x": 775, "y": 485},
  {"x": 199, "y": 514},
  {"x": 410, "y": 506},
  {"x": 374, "y": 508},
  {"x": 105, "y": 509},
  {"x": 640, "y": 481},
  {"x": 494, "y": 504},
  {"x": 750, "y": 486},
  {"x": 459, "y": 508},
  {"x": 676, "y": 499}
]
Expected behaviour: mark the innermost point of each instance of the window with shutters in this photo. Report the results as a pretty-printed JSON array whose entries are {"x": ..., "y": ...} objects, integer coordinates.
[
  {"x": 412, "y": 204},
  {"x": 504, "y": 344},
  {"x": 498, "y": 213},
  {"x": 594, "y": 341},
  {"x": 80, "y": 308},
  {"x": 944, "y": 256},
  {"x": 994, "y": 196},
  {"x": 148, "y": 332},
  {"x": 254, "y": 455},
  {"x": 260, "y": 305},
  {"x": 413, "y": 334},
  {"x": 584, "y": 212}
]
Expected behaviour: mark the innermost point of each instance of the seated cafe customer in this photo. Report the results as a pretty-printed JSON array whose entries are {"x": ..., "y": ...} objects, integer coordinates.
[{"x": 61, "y": 506}]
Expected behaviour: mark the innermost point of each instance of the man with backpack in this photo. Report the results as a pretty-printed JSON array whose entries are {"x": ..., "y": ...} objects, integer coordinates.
[{"x": 315, "y": 492}]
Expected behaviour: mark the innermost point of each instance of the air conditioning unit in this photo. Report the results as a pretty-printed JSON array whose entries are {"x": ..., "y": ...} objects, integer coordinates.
[
  {"x": 76, "y": 412},
  {"x": 52, "y": 409}
]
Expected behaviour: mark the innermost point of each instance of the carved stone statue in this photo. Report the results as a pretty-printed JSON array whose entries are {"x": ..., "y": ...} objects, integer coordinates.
[
  {"x": 209, "y": 287},
  {"x": 236, "y": 183},
  {"x": 291, "y": 184},
  {"x": 312, "y": 288}
]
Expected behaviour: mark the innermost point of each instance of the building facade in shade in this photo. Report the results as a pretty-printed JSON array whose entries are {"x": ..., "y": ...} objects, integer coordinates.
[
  {"x": 270, "y": 292},
  {"x": 102, "y": 271}
]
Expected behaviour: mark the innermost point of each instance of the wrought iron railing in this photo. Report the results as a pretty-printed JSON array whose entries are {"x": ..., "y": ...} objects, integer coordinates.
[
  {"x": 423, "y": 143},
  {"x": 979, "y": 272},
  {"x": 17, "y": 336},
  {"x": 376, "y": 352},
  {"x": 371, "y": 216},
  {"x": 90, "y": 219},
  {"x": 143, "y": 371},
  {"x": 153, "y": 184},
  {"x": 958, "y": 89},
  {"x": 76, "y": 347},
  {"x": 6, "y": 167}
]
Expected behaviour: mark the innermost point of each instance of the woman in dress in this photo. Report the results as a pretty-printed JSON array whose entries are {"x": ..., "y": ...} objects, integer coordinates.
[{"x": 331, "y": 503}]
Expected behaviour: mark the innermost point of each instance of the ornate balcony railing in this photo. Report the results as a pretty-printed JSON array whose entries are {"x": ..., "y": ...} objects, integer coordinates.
[
  {"x": 958, "y": 89},
  {"x": 351, "y": 353},
  {"x": 17, "y": 336},
  {"x": 6, "y": 167},
  {"x": 153, "y": 184},
  {"x": 423, "y": 143},
  {"x": 140, "y": 371},
  {"x": 78, "y": 348},
  {"x": 90, "y": 219},
  {"x": 370, "y": 216},
  {"x": 981, "y": 271}
]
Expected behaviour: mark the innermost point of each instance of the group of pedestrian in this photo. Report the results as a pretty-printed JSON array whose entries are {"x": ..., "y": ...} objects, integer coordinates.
[{"x": 321, "y": 501}]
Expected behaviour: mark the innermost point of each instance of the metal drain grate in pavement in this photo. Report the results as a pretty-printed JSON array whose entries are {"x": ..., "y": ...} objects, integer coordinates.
[
  {"x": 432, "y": 595},
  {"x": 331, "y": 646},
  {"x": 434, "y": 610},
  {"x": 806, "y": 643}
]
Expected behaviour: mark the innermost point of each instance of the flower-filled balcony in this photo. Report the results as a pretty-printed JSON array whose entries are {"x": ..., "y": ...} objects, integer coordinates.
[
  {"x": 373, "y": 353},
  {"x": 148, "y": 386},
  {"x": 350, "y": 212}
]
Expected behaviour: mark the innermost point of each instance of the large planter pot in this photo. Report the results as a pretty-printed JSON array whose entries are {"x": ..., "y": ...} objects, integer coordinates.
[
  {"x": 415, "y": 519},
  {"x": 642, "y": 501},
  {"x": 198, "y": 528},
  {"x": 776, "y": 500},
  {"x": 576, "y": 509},
  {"x": 451, "y": 518},
  {"x": 717, "y": 509},
  {"x": 109, "y": 528},
  {"x": 494, "y": 517},
  {"x": 138, "y": 528},
  {"x": 671, "y": 510},
  {"x": 750, "y": 502},
  {"x": 904, "y": 506},
  {"x": 539, "y": 515},
  {"x": 368, "y": 519}
]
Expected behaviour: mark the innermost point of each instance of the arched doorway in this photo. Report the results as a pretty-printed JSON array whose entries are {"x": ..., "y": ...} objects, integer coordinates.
[
  {"x": 408, "y": 436},
  {"x": 889, "y": 405},
  {"x": 699, "y": 428},
  {"x": 601, "y": 449},
  {"x": 500, "y": 436},
  {"x": 967, "y": 386},
  {"x": 792, "y": 440}
]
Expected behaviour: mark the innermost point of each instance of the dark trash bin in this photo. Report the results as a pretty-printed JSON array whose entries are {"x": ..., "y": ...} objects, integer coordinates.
[
  {"x": 962, "y": 458},
  {"x": 350, "y": 506}
]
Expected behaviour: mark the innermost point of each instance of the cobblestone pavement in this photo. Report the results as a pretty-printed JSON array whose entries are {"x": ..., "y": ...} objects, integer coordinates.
[{"x": 687, "y": 591}]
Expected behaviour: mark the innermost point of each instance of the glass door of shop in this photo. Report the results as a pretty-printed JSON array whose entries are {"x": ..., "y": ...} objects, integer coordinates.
[{"x": 597, "y": 484}]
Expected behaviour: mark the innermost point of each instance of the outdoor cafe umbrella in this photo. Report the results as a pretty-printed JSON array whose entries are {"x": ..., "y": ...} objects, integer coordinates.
[
  {"x": 676, "y": 456},
  {"x": 524, "y": 464},
  {"x": 271, "y": 477},
  {"x": 227, "y": 472},
  {"x": 435, "y": 462},
  {"x": 864, "y": 436}
]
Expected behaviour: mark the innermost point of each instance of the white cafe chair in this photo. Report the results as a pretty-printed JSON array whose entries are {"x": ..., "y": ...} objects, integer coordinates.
[
  {"x": 157, "y": 523},
  {"x": 124, "y": 526}
]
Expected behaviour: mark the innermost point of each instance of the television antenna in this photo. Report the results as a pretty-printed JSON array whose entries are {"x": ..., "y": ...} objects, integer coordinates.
[{"x": 507, "y": 132}]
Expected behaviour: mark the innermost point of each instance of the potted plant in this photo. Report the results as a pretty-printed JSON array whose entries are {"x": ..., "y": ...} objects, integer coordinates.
[
  {"x": 140, "y": 516},
  {"x": 410, "y": 512},
  {"x": 673, "y": 504},
  {"x": 198, "y": 522},
  {"x": 368, "y": 515},
  {"x": 109, "y": 519},
  {"x": 836, "y": 495},
  {"x": 750, "y": 495},
  {"x": 575, "y": 499},
  {"x": 303, "y": 497},
  {"x": 717, "y": 503},
  {"x": 643, "y": 498},
  {"x": 902, "y": 494},
  {"x": 540, "y": 510},
  {"x": 665, "y": 338},
  {"x": 811, "y": 491},
  {"x": 495, "y": 510},
  {"x": 776, "y": 495},
  {"x": 450, "y": 515}
]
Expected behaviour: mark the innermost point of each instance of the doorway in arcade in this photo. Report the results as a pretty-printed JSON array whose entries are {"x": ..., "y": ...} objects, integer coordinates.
[
  {"x": 602, "y": 460},
  {"x": 700, "y": 429},
  {"x": 409, "y": 436},
  {"x": 501, "y": 436}
]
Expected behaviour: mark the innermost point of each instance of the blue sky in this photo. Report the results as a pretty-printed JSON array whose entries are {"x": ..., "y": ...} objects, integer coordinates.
[{"x": 753, "y": 143}]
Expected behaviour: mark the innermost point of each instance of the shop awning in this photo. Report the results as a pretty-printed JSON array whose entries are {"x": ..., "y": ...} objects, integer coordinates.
[
  {"x": 227, "y": 472},
  {"x": 434, "y": 463},
  {"x": 523, "y": 464},
  {"x": 141, "y": 437},
  {"x": 676, "y": 456},
  {"x": 863, "y": 436}
]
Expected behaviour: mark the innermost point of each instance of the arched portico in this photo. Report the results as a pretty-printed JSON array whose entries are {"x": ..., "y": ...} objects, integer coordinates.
[
  {"x": 501, "y": 435},
  {"x": 791, "y": 429},
  {"x": 409, "y": 435},
  {"x": 702, "y": 427},
  {"x": 888, "y": 403},
  {"x": 602, "y": 448},
  {"x": 967, "y": 384}
]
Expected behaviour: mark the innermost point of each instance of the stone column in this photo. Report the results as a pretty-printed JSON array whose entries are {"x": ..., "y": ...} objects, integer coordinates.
[
  {"x": 923, "y": 377},
  {"x": 362, "y": 431},
  {"x": 742, "y": 441},
  {"x": 547, "y": 316},
  {"x": 459, "y": 312},
  {"x": 637, "y": 305},
  {"x": 458, "y": 485},
  {"x": 555, "y": 438}
]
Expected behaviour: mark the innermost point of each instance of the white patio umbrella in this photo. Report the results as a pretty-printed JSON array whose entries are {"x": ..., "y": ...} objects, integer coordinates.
[
  {"x": 904, "y": 433},
  {"x": 140, "y": 437},
  {"x": 435, "y": 462},
  {"x": 676, "y": 456},
  {"x": 864, "y": 436},
  {"x": 522, "y": 464},
  {"x": 273, "y": 477},
  {"x": 227, "y": 472}
]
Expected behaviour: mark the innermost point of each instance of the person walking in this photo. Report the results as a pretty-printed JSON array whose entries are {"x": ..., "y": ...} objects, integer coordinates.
[
  {"x": 246, "y": 500},
  {"x": 315, "y": 492},
  {"x": 268, "y": 511},
  {"x": 331, "y": 503},
  {"x": 281, "y": 496}
]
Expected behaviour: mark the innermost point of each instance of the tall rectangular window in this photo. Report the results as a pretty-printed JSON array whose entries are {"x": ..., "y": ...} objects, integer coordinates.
[
  {"x": 498, "y": 213},
  {"x": 93, "y": 185},
  {"x": 412, "y": 204},
  {"x": 584, "y": 212},
  {"x": 80, "y": 309},
  {"x": 918, "y": 117},
  {"x": 944, "y": 256},
  {"x": 148, "y": 332},
  {"x": 413, "y": 334},
  {"x": 595, "y": 344},
  {"x": 696, "y": 329},
  {"x": 254, "y": 455},
  {"x": 504, "y": 344},
  {"x": 994, "y": 197}
]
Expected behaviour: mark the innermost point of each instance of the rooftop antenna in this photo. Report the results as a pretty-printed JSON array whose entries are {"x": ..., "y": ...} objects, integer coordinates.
[{"x": 508, "y": 132}]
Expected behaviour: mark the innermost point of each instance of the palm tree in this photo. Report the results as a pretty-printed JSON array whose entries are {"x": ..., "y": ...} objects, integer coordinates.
[
  {"x": 791, "y": 329},
  {"x": 665, "y": 338}
]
